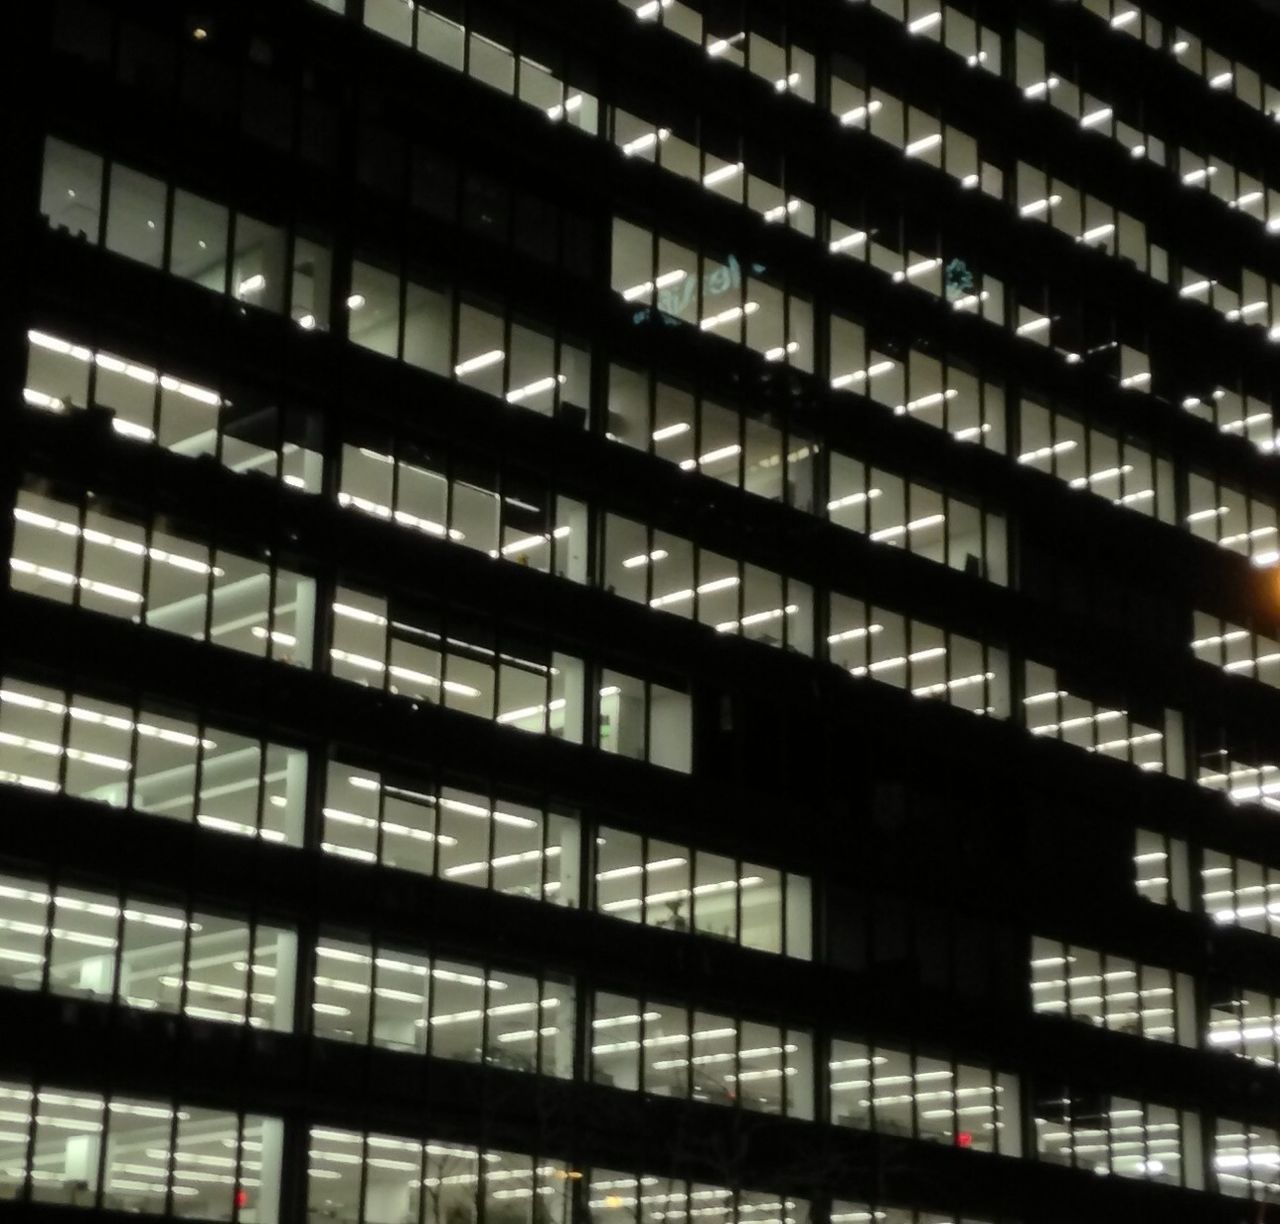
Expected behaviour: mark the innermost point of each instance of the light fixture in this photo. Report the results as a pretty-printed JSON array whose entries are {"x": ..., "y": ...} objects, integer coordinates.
[
  {"x": 849, "y": 240},
  {"x": 1036, "y": 207},
  {"x": 922, "y": 24},
  {"x": 713, "y": 456},
  {"x": 904, "y": 529},
  {"x": 923, "y": 145},
  {"x": 854, "y": 499},
  {"x": 707, "y": 588},
  {"x": 671, "y": 431},
  {"x": 665, "y": 281},
  {"x": 722, "y": 174},
  {"x": 782, "y": 211},
  {"x": 917, "y": 269},
  {"x": 758, "y": 618},
  {"x": 859, "y": 376},
  {"x": 483, "y": 361},
  {"x": 1044, "y": 452},
  {"x": 526, "y": 543},
  {"x": 860, "y": 113},
  {"x": 658, "y": 554},
  {"x": 926, "y": 401},
  {"x": 569, "y": 105},
  {"x": 539, "y": 387},
  {"x": 732, "y": 315},
  {"x": 853, "y": 635},
  {"x": 1199, "y": 176},
  {"x": 93, "y": 536},
  {"x": 1041, "y": 88},
  {"x": 721, "y": 45},
  {"x": 647, "y": 141},
  {"x": 1098, "y": 232},
  {"x": 651, "y": 9}
]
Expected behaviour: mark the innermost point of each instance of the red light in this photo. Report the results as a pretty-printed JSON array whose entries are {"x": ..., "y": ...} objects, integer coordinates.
[
  {"x": 242, "y": 1198},
  {"x": 964, "y": 1139}
]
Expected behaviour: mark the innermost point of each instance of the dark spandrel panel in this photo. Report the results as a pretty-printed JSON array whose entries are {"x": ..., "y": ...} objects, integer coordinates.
[
  {"x": 146, "y": 59},
  {"x": 268, "y": 109},
  {"x": 83, "y": 29}
]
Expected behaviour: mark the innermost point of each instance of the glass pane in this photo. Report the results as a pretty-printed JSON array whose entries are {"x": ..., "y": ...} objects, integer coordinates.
[{"x": 135, "y": 218}]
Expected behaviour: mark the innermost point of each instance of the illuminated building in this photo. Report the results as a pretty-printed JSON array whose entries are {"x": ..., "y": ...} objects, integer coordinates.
[{"x": 658, "y": 610}]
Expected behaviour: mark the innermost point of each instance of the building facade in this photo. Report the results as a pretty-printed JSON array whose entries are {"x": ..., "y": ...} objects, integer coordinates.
[{"x": 640, "y": 610}]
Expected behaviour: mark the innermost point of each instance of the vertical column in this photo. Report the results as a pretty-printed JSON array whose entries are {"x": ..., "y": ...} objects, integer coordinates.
[
  {"x": 23, "y": 54},
  {"x": 82, "y": 1159},
  {"x": 286, "y": 980},
  {"x": 97, "y": 975},
  {"x": 296, "y": 794},
  {"x": 266, "y": 1196},
  {"x": 304, "y": 617}
]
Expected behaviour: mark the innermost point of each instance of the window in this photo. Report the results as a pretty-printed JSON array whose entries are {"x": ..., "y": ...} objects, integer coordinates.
[
  {"x": 457, "y": 663},
  {"x": 146, "y": 954},
  {"x": 699, "y": 434},
  {"x": 101, "y": 561},
  {"x": 515, "y": 358},
  {"x": 373, "y": 1179},
  {"x": 682, "y": 578},
  {"x": 1087, "y": 459},
  {"x": 79, "y": 745},
  {"x": 412, "y": 1002},
  {"x": 1110, "y": 992},
  {"x": 1161, "y": 870},
  {"x": 1088, "y": 1129},
  {"x": 662, "y": 278},
  {"x": 1051, "y": 710},
  {"x": 903, "y": 514},
  {"x": 896, "y": 1093},
  {"x": 642, "y": 879},
  {"x": 1245, "y": 1158},
  {"x": 644, "y": 721},
  {"x": 442, "y": 830},
  {"x": 676, "y": 1051},
  {"x": 1238, "y": 892},
  {"x": 627, "y": 1198},
  {"x": 497, "y": 513},
  {"x": 247, "y": 432},
  {"x": 940, "y": 391},
  {"x": 929, "y": 662},
  {"x": 196, "y": 239},
  {"x": 442, "y": 35},
  {"x": 202, "y": 1160}
]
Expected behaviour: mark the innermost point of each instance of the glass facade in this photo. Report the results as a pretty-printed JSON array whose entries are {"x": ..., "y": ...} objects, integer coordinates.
[{"x": 421, "y": 421}]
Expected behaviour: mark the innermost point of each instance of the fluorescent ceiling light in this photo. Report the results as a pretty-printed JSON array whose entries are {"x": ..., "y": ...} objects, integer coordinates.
[
  {"x": 860, "y": 113},
  {"x": 658, "y": 554},
  {"x": 482, "y": 361},
  {"x": 921, "y": 24},
  {"x": 671, "y": 431}
]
